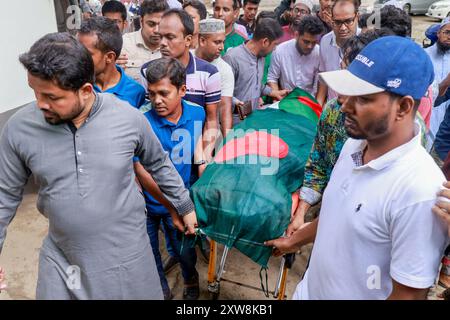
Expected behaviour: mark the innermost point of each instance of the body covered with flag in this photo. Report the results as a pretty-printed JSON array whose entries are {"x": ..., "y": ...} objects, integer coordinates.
[{"x": 245, "y": 196}]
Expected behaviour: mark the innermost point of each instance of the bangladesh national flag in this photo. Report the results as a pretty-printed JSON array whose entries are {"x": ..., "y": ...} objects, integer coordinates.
[{"x": 300, "y": 102}]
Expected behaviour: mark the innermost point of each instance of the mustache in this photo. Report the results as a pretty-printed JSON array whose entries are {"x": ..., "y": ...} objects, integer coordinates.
[{"x": 346, "y": 116}]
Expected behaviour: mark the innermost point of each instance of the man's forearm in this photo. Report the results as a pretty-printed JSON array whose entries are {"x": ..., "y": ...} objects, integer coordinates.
[
  {"x": 149, "y": 185},
  {"x": 443, "y": 86},
  {"x": 301, "y": 211},
  {"x": 210, "y": 131},
  {"x": 321, "y": 95},
  {"x": 306, "y": 234},
  {"x": 273, "y": 85},
  {"x": 226, "y": 115}
]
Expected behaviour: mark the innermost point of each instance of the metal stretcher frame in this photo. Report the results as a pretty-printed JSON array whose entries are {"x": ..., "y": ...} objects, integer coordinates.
[{"x": 215, "y": 275}]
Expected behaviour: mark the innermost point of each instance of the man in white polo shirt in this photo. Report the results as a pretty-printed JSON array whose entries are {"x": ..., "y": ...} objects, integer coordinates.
[{"x": 376, "y": 237}]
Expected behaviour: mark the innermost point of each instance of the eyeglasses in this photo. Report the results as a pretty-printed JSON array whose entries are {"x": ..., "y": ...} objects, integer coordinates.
[
  {"x": 301, "y": 11},
  {"x": 446, "y": 33},
  {"x": 348, "y": 23}
]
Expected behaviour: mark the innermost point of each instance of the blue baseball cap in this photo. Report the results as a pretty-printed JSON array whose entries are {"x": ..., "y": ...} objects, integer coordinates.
[{"x": 394, "y": 64}]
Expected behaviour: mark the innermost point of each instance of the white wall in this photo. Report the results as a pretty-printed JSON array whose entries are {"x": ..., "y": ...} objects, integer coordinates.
[{"x": 22, "y": 23}]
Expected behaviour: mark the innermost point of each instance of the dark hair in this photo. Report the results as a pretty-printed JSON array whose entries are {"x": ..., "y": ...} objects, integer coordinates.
[
  {"x": 362, "y": 21},
  {"x": 185, "y": 18},
  {"x": 394, "y": 96},
  {"x": 251, "y": 1},
  {"x": 115, "y": 7},
  {"x": 268, "y": 28},
  {"x": 354, "y": 45},
  {"x": 60, "y": 57},
  {"x": 396, "y": 20},
  {"x": 166, "y": 68},
  {"x": 310, "y": 24},
  {"x": 108, "y": 34},
  {"x": 356, "y": 4},
  {"x": 265, "y": 14},
  {"x": 197, "y": 5},
  {"x": 153, "y": 6},
  {"x": 236, "y": 4}
]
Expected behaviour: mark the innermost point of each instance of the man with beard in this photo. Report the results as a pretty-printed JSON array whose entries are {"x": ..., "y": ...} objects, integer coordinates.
[
  {"x": 248, "y": 19},
  {"x": 440, "y": 56},
  {"x": 142, "y": 46},
  {"x": 303, "y": 53},
  {"x": 372, "y": 242},
  {"x": 211, "y": 39},
  {"x": 79, "y": 145},
  {"x": 299, "y": 10},
  {"x": 247, "y": 62},
  {"x": 345, "y": 25}
]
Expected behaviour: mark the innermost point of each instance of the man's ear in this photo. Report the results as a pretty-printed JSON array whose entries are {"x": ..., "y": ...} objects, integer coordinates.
[
  {"x": 405, "y": 107},
  {"x": 188, "y": 40},
  {"x": 182, "y": 90},
  {"x": 236, "y": 13},
  {"x": 85, "y": 91},
  {"x": 265, "y": 42},
  {"x": 110, "y": 57},
  {"x": 201, "y": 40}
]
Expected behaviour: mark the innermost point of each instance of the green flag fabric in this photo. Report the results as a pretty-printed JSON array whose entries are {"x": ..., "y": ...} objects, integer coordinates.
[{"x": 246, "y": 200}]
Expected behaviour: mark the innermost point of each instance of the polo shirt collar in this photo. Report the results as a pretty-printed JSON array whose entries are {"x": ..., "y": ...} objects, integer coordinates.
[
  {"x": 388, "y": 158},
  {"x": 192, "y": 65},
  {"x": 162, "y": 122}
]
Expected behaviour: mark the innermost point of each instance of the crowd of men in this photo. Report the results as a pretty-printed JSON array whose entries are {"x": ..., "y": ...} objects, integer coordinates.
[{"x": 114, "y": 101}]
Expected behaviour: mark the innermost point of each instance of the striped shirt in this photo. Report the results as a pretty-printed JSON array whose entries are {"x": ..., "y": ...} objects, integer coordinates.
[{"x": 202, "y": 82}]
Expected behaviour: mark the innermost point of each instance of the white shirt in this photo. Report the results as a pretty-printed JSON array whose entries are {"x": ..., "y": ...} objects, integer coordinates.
[
  {"x": 226, "y": 77},
  {"x": 330, "y": 57},
  {"x": 174, "y": 4},
  {"x": 292, "y": 69},
  {"x": 441, "y": 63},
  {"x": 376, "y": 224},
  {"x": 138, "y": 53}
]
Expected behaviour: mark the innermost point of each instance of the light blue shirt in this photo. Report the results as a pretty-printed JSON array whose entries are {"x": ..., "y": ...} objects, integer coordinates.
[{"x": 441, "y": 63}]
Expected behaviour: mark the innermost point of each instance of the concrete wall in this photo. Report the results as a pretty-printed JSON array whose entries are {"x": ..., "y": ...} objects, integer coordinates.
[{"x": 23, "y": 22}]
